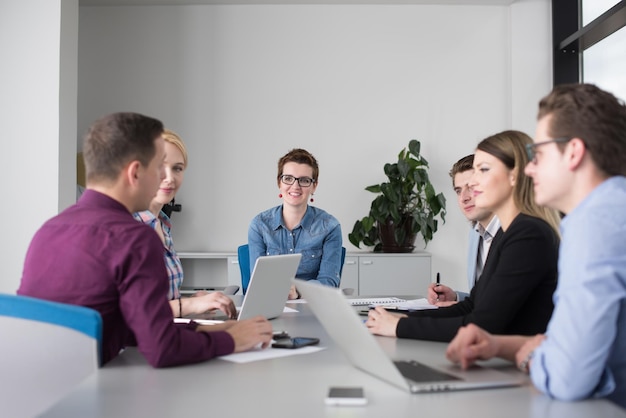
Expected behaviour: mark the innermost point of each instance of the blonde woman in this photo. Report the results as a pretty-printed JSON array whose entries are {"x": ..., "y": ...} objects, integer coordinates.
[
  {"x": 514, "y": 292},
  {"x": 175, "y": 164}
]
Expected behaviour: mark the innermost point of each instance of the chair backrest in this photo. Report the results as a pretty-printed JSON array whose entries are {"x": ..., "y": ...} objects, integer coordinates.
[
  {"x": 47, "y": 348},
  {"x": 348, "y": 291},
  {"x": 243, "y": 256},
  {"x": 343, "y": 260}
]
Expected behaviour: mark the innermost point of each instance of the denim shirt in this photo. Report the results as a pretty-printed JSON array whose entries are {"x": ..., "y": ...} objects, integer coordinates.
[{"x": 317, "y": 238}]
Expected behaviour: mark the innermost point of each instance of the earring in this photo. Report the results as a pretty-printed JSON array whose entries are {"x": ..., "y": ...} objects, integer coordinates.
[
  {"x": 312, "y": 200},
  {"x": 280, "y": 195}
]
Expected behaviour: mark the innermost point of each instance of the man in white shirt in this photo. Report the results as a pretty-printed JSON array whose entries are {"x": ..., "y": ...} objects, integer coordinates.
[{"x": 485, "y": 225}]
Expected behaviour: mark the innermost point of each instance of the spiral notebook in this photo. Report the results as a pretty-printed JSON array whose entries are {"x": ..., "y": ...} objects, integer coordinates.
[{"x": 375, "y": 301}]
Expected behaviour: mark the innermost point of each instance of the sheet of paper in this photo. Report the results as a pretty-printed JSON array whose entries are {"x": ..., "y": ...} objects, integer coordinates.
[
  {"x": 285, "y": 309},
  {"x": 268, "y": 353},
  {"x": 199, "y": 321}
]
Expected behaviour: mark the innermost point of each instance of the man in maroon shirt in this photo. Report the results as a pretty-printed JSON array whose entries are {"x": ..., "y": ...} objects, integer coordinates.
[{"x": 96, "y": 254}]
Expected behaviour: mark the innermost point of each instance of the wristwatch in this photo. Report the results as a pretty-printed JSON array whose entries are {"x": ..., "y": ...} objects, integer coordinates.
[{"x": 523, "y": 365}]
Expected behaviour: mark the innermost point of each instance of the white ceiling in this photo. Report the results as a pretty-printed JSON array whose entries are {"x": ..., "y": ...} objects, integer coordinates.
[{"x": 194, "y": 2}]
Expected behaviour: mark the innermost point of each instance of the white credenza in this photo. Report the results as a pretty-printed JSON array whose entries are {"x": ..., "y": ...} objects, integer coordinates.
[
  {"x": 369, "y": 274},
  {"x": 209, "y": 270},
  {"x": 378, "y": 274}
]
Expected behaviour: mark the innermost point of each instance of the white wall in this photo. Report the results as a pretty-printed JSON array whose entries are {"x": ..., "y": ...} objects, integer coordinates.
[
  {"x": 352, "y": 84},
  {"x": 33, "y": 102},
  {"x": 243, "y": 84}
]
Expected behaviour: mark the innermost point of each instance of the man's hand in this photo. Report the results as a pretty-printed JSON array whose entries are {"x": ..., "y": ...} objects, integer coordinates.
[
  {"x": 470, "y": 344},
  {"x": 251, "y": 333},
  {"x": 523, "y": 357}
]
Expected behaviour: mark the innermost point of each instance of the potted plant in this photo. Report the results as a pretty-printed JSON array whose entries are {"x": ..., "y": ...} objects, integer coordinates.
[{"x": 406, "y": 205}]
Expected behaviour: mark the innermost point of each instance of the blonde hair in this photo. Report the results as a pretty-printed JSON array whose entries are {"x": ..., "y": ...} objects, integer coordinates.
[
  {"x": 510, "y": 148},
  {"x": 173, "y": 138}
]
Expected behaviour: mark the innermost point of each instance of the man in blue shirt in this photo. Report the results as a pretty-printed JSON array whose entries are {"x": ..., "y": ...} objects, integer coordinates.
[{"x": 578, "y": 165}]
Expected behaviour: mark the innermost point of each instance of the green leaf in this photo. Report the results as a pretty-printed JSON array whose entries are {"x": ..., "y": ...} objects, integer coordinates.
[
  {"x": 414, "y": 147},
  {"x": 407, "y": 191}
]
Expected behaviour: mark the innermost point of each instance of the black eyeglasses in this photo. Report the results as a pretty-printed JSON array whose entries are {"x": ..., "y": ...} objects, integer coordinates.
[
  {"x": 531, "y": 149},
  {"x": 302, "y": 181}
]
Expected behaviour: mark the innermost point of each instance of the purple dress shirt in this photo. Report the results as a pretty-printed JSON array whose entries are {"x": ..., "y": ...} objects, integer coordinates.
[{"x": 96, "y": 254}]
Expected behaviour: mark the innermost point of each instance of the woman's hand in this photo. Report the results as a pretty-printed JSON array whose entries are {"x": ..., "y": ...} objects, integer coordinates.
[
  {"x": 381, "y": 322},
  {"x": 293, "y": 293},
  {"x": 441, "y": 295},
  {"x": 209, "y": 301}
]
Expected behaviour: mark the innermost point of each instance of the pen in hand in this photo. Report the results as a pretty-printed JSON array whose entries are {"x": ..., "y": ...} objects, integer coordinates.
[{"x": 437, "y": 285}]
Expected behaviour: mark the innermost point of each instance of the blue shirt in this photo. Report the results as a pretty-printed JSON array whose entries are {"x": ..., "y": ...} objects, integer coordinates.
[
  {"x": 172, "y": 262},
  {"x": 584, "y": 354},
  {"x": 317, "y": 238}
]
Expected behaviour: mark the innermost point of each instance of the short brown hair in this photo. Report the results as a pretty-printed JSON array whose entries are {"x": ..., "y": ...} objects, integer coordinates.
[
  {"x": 464, "y": 164},
  {"x": 117, "y": 139},
  {"x": 300, "y": 156},
  {"x": 597, "y": 117}
]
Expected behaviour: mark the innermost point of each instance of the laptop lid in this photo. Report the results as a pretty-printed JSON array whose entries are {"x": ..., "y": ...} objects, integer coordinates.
[
  {"x": 269, "y": 286},
  {"x": 346, "y": 328}
]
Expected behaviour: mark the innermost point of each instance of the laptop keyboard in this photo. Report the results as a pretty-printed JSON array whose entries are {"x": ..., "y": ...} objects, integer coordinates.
[{"x": 418, "y": 372}]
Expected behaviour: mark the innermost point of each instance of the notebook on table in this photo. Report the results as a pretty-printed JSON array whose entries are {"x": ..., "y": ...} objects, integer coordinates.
[
  {"x": 374, "y": 301},
  {"x": 345, "y": 327},
  {"x": 268, "y": 289}
]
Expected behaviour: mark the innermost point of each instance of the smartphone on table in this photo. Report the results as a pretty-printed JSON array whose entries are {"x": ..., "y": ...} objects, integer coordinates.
[
  {"x": 346, "y": 396},
  {"x": 295, "y": 342}
]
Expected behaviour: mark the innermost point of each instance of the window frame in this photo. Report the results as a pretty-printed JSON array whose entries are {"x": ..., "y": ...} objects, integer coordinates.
[{"x": 570, "y": 39}]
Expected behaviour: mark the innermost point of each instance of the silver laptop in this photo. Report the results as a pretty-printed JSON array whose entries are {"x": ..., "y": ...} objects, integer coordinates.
[
  {"x": 346, "y": 328},
  {"x": 269, "y": 286}
]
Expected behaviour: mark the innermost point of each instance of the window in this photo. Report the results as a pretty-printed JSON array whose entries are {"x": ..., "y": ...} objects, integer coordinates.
[{"x": 592, "y": 50}]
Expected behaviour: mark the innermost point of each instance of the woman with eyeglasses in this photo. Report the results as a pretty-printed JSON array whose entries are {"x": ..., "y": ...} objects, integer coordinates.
[
  {"x": 296, "y": 227},
  {"x": 513, "y": 295}
]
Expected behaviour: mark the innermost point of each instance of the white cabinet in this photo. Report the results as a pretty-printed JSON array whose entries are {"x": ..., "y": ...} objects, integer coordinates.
[
  {"x": 394, "y": 274},
  {"x": 369, "y": 274},
  {"x": 377, "y": 274},
  {"x": 209, "y": 270}
]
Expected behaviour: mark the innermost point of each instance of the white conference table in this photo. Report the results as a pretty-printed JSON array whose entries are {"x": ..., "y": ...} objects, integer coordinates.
[{"x": 296, "y": 386}]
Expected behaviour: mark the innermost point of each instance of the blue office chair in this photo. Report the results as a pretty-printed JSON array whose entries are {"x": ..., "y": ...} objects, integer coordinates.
[
  {"x": 243, "y": 256},
  {"x": 47, "y": 349}
]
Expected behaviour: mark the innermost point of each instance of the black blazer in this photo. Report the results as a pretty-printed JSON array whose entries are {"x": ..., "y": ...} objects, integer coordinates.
[{"x": 513, "y": 294}]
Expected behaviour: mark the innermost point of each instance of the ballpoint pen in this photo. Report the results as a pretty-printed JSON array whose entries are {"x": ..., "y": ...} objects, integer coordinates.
[{"x": 437, "y": 284}]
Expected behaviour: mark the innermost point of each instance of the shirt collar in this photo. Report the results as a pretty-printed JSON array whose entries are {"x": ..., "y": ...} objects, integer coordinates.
[
  {"x": 91, "y": 198},
  {"x": 590, "y": 199},
  {"x": 305, "y": 223},
  {"x": 491, "y": 230}
]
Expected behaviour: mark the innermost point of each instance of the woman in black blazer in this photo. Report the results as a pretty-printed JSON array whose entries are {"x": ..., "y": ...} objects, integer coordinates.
[{"x": 514, "y": 292}]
